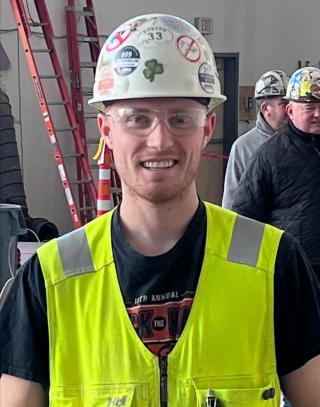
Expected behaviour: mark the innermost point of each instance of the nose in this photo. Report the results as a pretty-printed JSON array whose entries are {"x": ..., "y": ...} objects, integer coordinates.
[
  {"x": 160, "y": 137},
  {"x": 317, "y": 111}
]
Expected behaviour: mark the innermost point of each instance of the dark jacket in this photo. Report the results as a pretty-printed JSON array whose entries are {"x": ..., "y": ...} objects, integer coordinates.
[{"x": 281, "y": 186}]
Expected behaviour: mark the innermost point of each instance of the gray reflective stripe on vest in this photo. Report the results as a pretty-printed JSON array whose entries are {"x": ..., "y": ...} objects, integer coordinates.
[
  {"x": 75, "y": 253},
  {"x": 246, "y": 241}
]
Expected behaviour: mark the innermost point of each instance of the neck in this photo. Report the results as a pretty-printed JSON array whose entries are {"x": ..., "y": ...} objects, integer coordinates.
[{"x": 154, "y": 228}]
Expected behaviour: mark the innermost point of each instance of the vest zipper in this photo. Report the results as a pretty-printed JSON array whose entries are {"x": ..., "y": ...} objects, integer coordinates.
[{"x": 163, "y": 364}]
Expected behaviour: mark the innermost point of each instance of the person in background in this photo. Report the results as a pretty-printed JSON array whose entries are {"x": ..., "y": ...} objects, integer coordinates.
[
  {"x": 167, "y": 300},
  {"x": 269, "y": 93},
  {"x": 281, "y": 186}
]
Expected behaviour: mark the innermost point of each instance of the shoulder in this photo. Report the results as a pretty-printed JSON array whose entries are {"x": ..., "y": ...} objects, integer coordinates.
[
  {"x": 293, "y": 264},
  {"x": 270, "y": 152},
  {"x": 297, "y": 315},
  {"x": 245, "y": 145},
  {"x": 243, "y": 138}
]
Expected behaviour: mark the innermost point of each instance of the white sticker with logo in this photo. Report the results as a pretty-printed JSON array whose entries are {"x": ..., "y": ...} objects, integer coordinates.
[
  {"x": 155, "y": 36},
  {"x": 206, "y": 77},
  {"x": 189, "y": 48},
  {"x": 126, "y": 61},
  {"x": 176, "y": 25}
]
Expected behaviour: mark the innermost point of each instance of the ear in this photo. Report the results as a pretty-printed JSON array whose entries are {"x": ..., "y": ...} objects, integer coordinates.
[
  {"x": 209, "y": 127},
  {"x": 289, "y": 110},
  {"x": 264, "y": 107},
  {"x": 104, "y": 127}
]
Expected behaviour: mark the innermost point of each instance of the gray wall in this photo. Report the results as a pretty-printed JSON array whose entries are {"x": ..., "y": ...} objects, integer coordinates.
[{"x": 267, "y": 34}]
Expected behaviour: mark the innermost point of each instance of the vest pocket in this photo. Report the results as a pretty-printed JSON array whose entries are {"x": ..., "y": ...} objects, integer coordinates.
[
  {"x": 115, "y": 395},
  {"x": 259, "y": 397}
]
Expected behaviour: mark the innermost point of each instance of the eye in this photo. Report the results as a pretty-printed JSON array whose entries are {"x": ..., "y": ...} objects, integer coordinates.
[
  {"x": 138, "y": 120},
  {"x": 180, "y": 120}
]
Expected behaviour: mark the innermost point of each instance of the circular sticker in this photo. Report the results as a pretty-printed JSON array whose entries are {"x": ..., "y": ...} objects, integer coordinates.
[
  {"x": 118, "y": 38},
  {"x": 154, "y": 36},
  {"x": 189, "y": 48},
  {"x": 126, "y": 61},
  {"x": 206, "y": 78}
]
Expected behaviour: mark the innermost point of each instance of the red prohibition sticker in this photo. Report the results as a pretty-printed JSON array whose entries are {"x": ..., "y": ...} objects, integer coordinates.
[
  {"x": 118, "y": 38},
  {"x": 189, "y": 48}
]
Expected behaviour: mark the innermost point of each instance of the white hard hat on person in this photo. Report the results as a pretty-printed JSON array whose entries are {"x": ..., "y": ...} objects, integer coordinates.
[
  {"x": 304, "y": 85},
  {"x": 271, "y": 84},
  {"x": 156, "y": 55}
]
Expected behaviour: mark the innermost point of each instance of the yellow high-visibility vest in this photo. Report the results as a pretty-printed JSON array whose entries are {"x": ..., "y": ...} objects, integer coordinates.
[{"x": 227, "y": 345}]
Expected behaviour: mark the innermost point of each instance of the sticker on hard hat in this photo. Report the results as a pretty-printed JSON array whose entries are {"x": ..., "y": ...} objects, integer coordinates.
[
  {"x": 189, "y": 48},
  {"x": 126, "y": 61},
  {"x": 105, "y": 83},
  {"x": 155, "y": 36},
  {"x": 206, "y": 77},
  {"x": 315, "y": 89},
  {"x": 118, "y": 38},
  {"x": 175, "y": 24},
  {"x": 153, "y": 68}
]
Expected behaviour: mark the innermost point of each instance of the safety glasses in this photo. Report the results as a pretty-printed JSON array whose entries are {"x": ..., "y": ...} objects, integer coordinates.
[{"x": 141, "y": 121}]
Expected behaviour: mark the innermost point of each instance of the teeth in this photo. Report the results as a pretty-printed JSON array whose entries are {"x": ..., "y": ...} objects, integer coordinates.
[{"x": 158, "y": 164}]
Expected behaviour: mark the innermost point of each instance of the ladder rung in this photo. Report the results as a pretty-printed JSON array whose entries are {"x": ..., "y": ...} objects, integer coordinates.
[
  {"x": 80, "y": 182},
  {"x": 79, "y": 11},
  {"x": 88, "y": 208},
  {"x": 41, "y": 50},
  {"x": 72, "y": 155},
  {"x": 57, "y": 103},
  {"x": 93, "y": 141},
  {"x": 86, "y": 38},
  {"x": 66, "y": 129},
  {"x": 90, "y": 116},
  {"x": 86, "y": 90},
  {"x": 37, "y": 24},
  {"x": 88, "y": 64},
  {"x": 49, "y": 76},
  {"x": 115, "y": 190}
]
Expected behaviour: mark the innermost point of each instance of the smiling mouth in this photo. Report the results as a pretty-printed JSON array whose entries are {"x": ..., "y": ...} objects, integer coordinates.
[{"x": 155, "y": 165}]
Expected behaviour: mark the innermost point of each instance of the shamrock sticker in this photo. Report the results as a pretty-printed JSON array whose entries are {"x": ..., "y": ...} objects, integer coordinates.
[{"x": 153, "y": 67}]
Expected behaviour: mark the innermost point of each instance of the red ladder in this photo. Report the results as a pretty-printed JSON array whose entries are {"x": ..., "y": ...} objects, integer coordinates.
[
  {"x": 109, "y": 190},
  {"x": 84, "y": 182}
]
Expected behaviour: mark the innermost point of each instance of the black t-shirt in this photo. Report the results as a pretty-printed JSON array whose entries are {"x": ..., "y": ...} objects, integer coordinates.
[{"x": 158, "y": 292}]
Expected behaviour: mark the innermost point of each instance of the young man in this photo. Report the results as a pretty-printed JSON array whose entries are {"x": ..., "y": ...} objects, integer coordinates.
[
  {"x": 167, "y": 301},
  {"x": 282, "y": 183},
  {"x": 269, "y": 93}
]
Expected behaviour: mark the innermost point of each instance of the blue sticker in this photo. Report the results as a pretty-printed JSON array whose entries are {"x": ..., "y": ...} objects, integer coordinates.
[
  {"x": 126, "y": 61},
  {"x": 206, "y": 77}
]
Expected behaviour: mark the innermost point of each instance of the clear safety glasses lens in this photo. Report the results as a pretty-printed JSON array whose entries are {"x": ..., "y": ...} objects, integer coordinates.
[{"x": 143, "y": 121}]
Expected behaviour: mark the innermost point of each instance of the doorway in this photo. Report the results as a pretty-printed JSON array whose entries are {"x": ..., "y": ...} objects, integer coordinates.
[{"x": 211, "y": 172}]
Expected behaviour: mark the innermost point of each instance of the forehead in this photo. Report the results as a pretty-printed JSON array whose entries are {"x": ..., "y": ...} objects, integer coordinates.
[
  {"x": 277, "y": 101},
  {"x": 157, "y": 103},
  {"x": 301, "y": 106}
]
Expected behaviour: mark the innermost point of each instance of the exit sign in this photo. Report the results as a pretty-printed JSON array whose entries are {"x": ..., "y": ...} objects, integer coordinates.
[{"x": 204, "y": 24}]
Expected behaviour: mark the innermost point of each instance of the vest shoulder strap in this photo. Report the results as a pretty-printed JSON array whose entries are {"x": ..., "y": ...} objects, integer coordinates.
[
  {"x": 84, "y": 250},
  {"x": 242, "y": 240}
]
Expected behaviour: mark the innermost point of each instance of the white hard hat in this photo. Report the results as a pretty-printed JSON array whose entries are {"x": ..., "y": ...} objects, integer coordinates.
[
  {"x": 156, "y": 55},
  {"x": 271, "y": 84},
  {"x": 304, "y": 85}
]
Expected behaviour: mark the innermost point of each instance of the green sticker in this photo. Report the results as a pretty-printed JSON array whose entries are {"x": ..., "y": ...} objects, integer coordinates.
[{"x": 153, "y": 67}]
